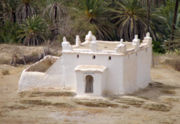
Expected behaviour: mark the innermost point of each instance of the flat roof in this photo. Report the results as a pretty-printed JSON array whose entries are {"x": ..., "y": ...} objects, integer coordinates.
[{"x": 104, "y": 45}]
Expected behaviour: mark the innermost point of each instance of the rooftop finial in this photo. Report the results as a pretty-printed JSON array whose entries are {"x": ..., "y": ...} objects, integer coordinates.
[
  {"x": 136, "y": 36},
  {"x": 64, "y": 39},
  {"x": 147, "y": 39},
  {"x": 90, "y": 33},
  {"x": 66, "y": 46},
  {"x": 121, "y": 41},
  {"x": 78, "y": 41},
  {"x": 136, "y": 42},
  {"x": 88, "y": 37},
  {"x": 147, "y": 34}
]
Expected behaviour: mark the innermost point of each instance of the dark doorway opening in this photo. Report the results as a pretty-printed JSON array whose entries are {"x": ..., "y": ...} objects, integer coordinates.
[{"x": 89, "y": 84}]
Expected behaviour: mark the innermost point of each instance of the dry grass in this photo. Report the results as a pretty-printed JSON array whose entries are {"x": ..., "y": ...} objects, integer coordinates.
[
  {"x": 175, "y": 63},
  {"x": 5, "y": 72},
  {"x": 46, "y": 103},
  {"x": 5, "y": 60},
  {"x": 42, "y": 66},
  {"x": 16, "y": 106},
  {"x": 91, "y": 110},
  {"x": 95, "y": 103},
  {"x": 170, "y": 99},
  {"x": 131, "y": 100},
  {"x": 62, "y": 105},
  {"x": 36, "y": 102},
  {"x": 156, "y": 106},
  {"x": 1, "y": 114},
  {"x": 167, "y": 91},
  {"x": 7, "y": 51},
  {"x": 46, "y": 93}
]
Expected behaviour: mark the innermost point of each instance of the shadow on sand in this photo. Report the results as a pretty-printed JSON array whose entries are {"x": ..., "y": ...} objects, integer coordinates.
[{"x": 155, "y": 90}]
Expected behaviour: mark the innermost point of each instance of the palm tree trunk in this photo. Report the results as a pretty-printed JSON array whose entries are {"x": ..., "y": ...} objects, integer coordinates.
[
  {"x": 174, "y": 19},
  {"x": 157, "y": 3},
  {"x": 55, "y": 12},
  {"x": 14, "y": 16},
  {"x": 27, "y": 11},
  {"x": 148, "y": 14},
  {"x": 164, "y": 2}
]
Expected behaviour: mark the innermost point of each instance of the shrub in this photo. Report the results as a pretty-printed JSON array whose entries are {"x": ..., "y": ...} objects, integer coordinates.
[
  {"x": 8, "y": 32},
  {"x": 157, "y": 47},
  {"x": 32, "y": 32},
  {"x": 5, "y": 72}
]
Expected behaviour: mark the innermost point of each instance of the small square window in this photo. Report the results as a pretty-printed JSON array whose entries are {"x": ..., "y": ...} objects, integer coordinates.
[
  {"x": 77, "y": 55},
  {"x": 109, "y": 58},
  {"x": 94, "y": 57}
]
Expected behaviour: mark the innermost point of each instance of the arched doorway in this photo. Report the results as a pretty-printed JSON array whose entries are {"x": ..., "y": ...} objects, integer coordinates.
[{"x": 89, "y": 84}]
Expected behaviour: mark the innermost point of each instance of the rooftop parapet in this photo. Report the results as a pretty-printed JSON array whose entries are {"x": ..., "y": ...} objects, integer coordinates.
[
  {"x": 66, "y": 46},
  {"x": 121, "y": 48},
  {"x": 136, "y": 42},
  {"x": 148, "y": 39},
  {"x": 91, "y": 45}
]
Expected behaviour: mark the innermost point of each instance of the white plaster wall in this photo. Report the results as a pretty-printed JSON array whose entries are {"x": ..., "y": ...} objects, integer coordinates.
[
  {"x": 52, "y": 78},
  {"x": 130, "y": 73},
  {"x": 80, "y": 84},
  {"x": 137, "y": 68},
  {"x": 104, "y": 82},
  {"x": 98, "y": 84},
  {"x": 28, "y": 80},
  {"x": 144, "y": 59},
  {"x": 114, "y": 66}
]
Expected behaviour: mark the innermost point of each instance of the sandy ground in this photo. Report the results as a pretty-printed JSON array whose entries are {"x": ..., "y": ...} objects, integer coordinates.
[{"x": 161, "y": 106}]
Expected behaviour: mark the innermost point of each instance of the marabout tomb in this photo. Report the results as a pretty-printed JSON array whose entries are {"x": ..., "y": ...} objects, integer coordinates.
[{"x": 93, "y": 67}]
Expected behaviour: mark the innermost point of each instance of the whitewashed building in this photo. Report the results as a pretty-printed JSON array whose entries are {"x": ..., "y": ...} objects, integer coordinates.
[{"x": 95, "y": 67}]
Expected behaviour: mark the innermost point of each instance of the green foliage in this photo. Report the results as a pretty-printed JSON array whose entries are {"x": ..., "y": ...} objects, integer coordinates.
[
  {"x": 95, "y": 15},
  {"x": 8, "y": 32},
  {"x": 33, "y": 21},
  {"x": 24, "y": 10},
  {"x": 55, "y": 12},
  {"x": 157, "y": 47},
  {"x": 32, "y": 31},
  {"x": 130, "y": 18},
  {"x": 175, "y": 44}
]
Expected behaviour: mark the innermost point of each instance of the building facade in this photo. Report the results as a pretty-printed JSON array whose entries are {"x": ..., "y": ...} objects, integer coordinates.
[{"x": 99, "y": 68}]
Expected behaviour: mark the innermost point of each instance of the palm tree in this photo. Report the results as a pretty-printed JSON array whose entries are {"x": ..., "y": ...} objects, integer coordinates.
[
  {"x": 1, "y": 12},
  {"x": 32, "y": 31},
  {"x": 56, "y": 16},
  {"x": 148, "y": 13},
  {"x": 130, "y": 18},
  {"x": 174, "y": 19},
  {"x": 167, "y": 13},
  {"x": 11, "y": 9},
  {"x": 95, "y": 14},
  {"x": 55, "y": 11},
  {"x": 24, "y": 10},
  {"x": 8, "y": 30}
]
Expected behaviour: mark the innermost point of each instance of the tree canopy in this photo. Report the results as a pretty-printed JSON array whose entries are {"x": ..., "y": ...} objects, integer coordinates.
[{"x": 35, "y": 21}]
